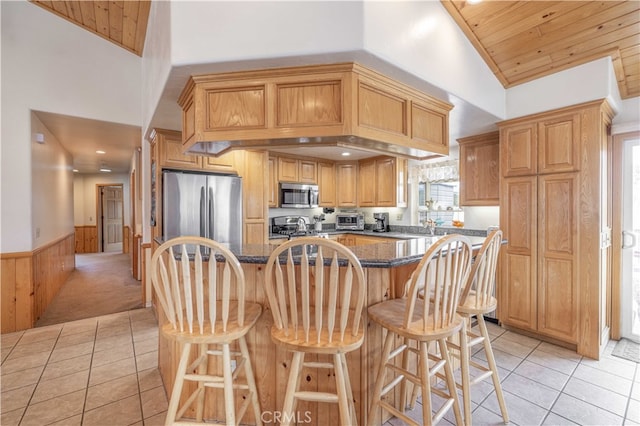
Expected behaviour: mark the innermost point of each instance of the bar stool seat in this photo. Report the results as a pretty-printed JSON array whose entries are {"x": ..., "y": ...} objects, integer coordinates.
[
  {"x": 477, "y": 301},
  {"x": 412, "y": 320},
  {"x": 316, "y": 290},
  {"x": 206, "y": 317}
]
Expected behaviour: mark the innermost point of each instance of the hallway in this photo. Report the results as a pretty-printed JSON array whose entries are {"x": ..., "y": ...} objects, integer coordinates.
[{"x": 101, "y": 284}]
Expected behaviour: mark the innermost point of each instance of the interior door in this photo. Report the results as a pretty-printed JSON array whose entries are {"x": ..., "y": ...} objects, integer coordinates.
[
  {"x": 630, "y": 250},
  {"x": 112, "y": 222}
]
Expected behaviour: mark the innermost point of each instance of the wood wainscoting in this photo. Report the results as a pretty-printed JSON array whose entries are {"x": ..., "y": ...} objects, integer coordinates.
[
  {"x": 30, "y": 280},
  {"x": 86, "y": 239}
]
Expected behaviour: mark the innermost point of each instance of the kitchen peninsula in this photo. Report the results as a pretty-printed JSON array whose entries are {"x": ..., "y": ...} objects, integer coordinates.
[{"x": 387, "y": 266}]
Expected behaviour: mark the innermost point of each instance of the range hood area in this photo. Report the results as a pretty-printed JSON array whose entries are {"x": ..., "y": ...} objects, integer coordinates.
[{"x": 342, "y": 105}]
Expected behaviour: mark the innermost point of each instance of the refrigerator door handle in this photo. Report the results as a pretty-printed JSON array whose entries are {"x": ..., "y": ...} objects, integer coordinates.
[
  {"x": 212, "y": 211},
  {"x": 203, "y": 212}
]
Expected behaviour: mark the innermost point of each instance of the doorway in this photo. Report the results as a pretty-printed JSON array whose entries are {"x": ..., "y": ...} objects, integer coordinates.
[
  {"x": 110, "y": 218},
  {"x": 627, "y": 258}
]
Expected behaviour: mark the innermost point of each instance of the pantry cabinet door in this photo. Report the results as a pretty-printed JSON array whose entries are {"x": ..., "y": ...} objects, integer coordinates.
[
  {"x": 557, "y": 255},
  {"x": 518, "y": 150},
  {"x": 518, "y": 289}
]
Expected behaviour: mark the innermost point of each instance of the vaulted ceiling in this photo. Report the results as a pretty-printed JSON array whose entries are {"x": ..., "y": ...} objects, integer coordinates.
[
  {"x": 122, "y": 22},
  {"x": 525, "y": 40},
  {"x": 519, "y": 40}
]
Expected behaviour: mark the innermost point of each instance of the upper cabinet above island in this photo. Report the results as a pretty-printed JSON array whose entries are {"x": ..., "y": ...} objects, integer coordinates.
[{"x": 327, "y": 105}]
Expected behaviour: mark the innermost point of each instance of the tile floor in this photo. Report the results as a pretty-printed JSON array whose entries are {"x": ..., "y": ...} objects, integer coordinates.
[{"x": 103, "y": 371}]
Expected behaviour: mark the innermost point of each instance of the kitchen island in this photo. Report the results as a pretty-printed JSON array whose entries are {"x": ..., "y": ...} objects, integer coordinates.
[{"x": 387, "y": 266}]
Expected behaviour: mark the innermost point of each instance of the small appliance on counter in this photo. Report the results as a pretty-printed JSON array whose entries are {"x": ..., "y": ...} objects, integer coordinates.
[
  {"x": 382, "y": 222},
  {"x": 350, "y": 221},
  {"x": 289, "y": 225}
]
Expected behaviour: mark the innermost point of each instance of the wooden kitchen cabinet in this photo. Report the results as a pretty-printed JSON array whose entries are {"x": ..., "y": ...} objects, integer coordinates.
[
  {"x": 297, "y": 170},
  {"x": 326, "y": 184},
  {"x": 170, "y": 148},
  {"x": 346, "y": 184},
  {"x": 225, "y": 163},
  {"x": 367, "y": 183},
  {"x": 557, "y": 255},
  {"x": 287, "y": 169},
  {"x": 316, "y": 101},
  {"x": 377, "y": 180},
  {"x": 554, "y": 210},
  {"x": 479, "y": 170},
  {"x": 518, "y": 213},
  {"x": 307, "y": 171},
  {"x": 402, "y": 190},
  {"x": 273, "y": 182},
  {"x": 551, "y": 145}
]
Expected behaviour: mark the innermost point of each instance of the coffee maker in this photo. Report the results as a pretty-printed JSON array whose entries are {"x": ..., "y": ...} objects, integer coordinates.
[{"x": 382, "y": 222}]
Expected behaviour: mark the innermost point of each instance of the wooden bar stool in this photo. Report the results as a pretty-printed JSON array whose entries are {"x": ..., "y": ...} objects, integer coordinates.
[
  {"x": 441, "y": 273},
  {"x": 197, "y": 300},
  {"x": 316, "y": 293},
  {"x": 478, "y": 299}
]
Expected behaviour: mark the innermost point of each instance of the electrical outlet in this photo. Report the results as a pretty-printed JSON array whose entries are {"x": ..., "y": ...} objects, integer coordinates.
[
  {"x": 38, "y": 232},
  {"x": 399, "y": 216}
]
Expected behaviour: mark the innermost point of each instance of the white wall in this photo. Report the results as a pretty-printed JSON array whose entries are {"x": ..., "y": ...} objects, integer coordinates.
[
  {"x": 52, "y": 65},
  {"x": 51, "y": 187},
  {"x": 576, "y": 85},
  {"x": 227, "y": 31},
  {"x": 84, "y": 198},
  {"x": 411, "y": 35}
]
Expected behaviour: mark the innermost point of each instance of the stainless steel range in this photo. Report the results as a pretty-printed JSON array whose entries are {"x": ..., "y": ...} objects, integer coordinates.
[{"x": 290, "y": 225}]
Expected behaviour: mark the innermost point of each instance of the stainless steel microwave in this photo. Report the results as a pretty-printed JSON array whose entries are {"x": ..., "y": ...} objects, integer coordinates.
[{"x": 298, "y": 195}]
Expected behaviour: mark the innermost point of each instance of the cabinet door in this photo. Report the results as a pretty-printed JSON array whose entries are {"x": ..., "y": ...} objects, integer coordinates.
[
  {"x": 327, "y": 184},
  {"x": 273, "y": 182},
  {"x": 518, "y": 212},
  {"x": 346, "y": 184},
  {"x": 307, "y": 171},
  {"x": 172, "y": 156},
  {"x": 401, "y": 186},
  {"x": 479, "y": 172},
  {"x": 559, "y": 144},
  {"x": 385, "y": 182},
  {"x": 518, "y": 150},
  {"x": 367, "y": 184},
  {"x": 287, "y": 169},
  {"x": 226, "y": 163},
  {"x": 557, "y": 255}
]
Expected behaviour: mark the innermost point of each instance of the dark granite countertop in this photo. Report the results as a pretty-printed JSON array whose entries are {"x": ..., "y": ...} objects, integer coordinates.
[{"x": 378, "y": 255}]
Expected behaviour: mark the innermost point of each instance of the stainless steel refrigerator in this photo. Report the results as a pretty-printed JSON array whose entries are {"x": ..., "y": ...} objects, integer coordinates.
[{"x": 202, "y": 204}]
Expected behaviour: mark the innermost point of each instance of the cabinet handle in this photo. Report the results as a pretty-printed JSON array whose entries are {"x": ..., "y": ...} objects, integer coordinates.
[{"x": 626, "y": 234}]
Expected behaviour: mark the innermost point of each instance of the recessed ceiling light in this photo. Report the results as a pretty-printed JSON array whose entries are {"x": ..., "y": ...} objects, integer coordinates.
[
  {"x": 100, "y": 152},
  {"x": 474, "y": 1},
  {"x": 345, "y": 154},
  {"x": 75, "y": 170},
  {"x": 105, "y": 170}
]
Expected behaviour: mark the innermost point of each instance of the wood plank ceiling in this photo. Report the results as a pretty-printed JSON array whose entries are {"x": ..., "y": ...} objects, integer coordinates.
[
  {"x": 519, "y": 40},
  {"x": 525, "y": 40},
  {"x": 121, "y": 22}
]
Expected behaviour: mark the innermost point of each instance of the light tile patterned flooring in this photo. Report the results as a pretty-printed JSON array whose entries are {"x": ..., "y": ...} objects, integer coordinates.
[{"x": 103, "y": 371}]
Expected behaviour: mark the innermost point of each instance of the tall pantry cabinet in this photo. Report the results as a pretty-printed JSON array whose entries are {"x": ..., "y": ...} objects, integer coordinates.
[{"x": 555, "y": 216}]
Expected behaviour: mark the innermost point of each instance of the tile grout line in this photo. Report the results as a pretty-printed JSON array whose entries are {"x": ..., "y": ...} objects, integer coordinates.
[
  {"x": 135, "y": 362},
  {"x": 41, "y": 373}
]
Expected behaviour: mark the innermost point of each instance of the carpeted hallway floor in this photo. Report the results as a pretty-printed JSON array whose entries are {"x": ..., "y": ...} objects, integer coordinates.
[{"x": 101, "y": 284}]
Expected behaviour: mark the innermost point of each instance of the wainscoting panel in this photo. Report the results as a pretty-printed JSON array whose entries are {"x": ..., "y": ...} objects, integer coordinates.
[{"x": 30, "y": 280}]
